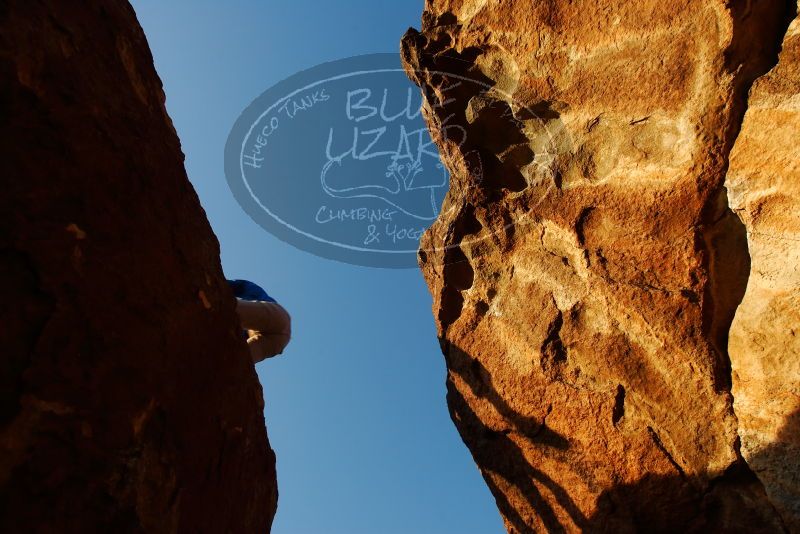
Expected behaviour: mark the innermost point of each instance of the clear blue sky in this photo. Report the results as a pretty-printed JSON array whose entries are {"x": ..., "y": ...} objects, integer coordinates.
[{"x": 355, "y": 408}]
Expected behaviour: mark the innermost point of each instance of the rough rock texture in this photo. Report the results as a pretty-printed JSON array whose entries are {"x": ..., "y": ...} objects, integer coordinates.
[
  {"x": 128, "y": 401},
  {"x": 586, "y": 267},
  {"x": 764, "y": 191}
]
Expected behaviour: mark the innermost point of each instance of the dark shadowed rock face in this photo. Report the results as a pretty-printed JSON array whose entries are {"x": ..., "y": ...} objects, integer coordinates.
[
  {"x": 128, "y": 401},
  {"x": 595, "y": 246}
]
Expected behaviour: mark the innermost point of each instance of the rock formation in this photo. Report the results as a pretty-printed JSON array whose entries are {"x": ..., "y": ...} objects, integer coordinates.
[
  {"x": 586, "y": 267},
  {"x": 128, "y": 401},
  {"x": 764, "y": 190}
]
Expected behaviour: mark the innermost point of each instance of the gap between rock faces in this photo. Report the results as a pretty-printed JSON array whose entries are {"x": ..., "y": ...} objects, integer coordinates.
[{"x": 720, "y": 237}]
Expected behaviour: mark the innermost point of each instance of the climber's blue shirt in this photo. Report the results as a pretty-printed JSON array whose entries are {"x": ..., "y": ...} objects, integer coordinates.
[{"x": 247, "y": 290}]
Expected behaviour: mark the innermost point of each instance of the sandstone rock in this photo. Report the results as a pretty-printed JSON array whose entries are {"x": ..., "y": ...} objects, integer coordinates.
[
  {"x": 128, "y": 401},
  {"x": 586, "y": 266},
  {"x": 764, "y": 190}
]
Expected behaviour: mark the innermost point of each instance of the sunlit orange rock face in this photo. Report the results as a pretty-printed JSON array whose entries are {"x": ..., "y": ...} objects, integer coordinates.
[
  {"x": 764, "y": 190},
  {"x": 594, "y": 249},
  {"x": 128, "y": 400}
]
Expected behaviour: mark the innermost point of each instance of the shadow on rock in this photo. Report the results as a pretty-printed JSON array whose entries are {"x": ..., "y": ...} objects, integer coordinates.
[
  {"x": 496, "y": 452},
  {"x": 732, "y": 502}
]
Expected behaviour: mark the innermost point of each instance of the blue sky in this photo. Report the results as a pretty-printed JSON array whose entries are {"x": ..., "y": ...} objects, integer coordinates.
[{"x": 355, "y": 408}]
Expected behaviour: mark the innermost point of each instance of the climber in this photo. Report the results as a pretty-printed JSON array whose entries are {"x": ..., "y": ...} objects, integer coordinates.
[{"x": 267, "y": 323}]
